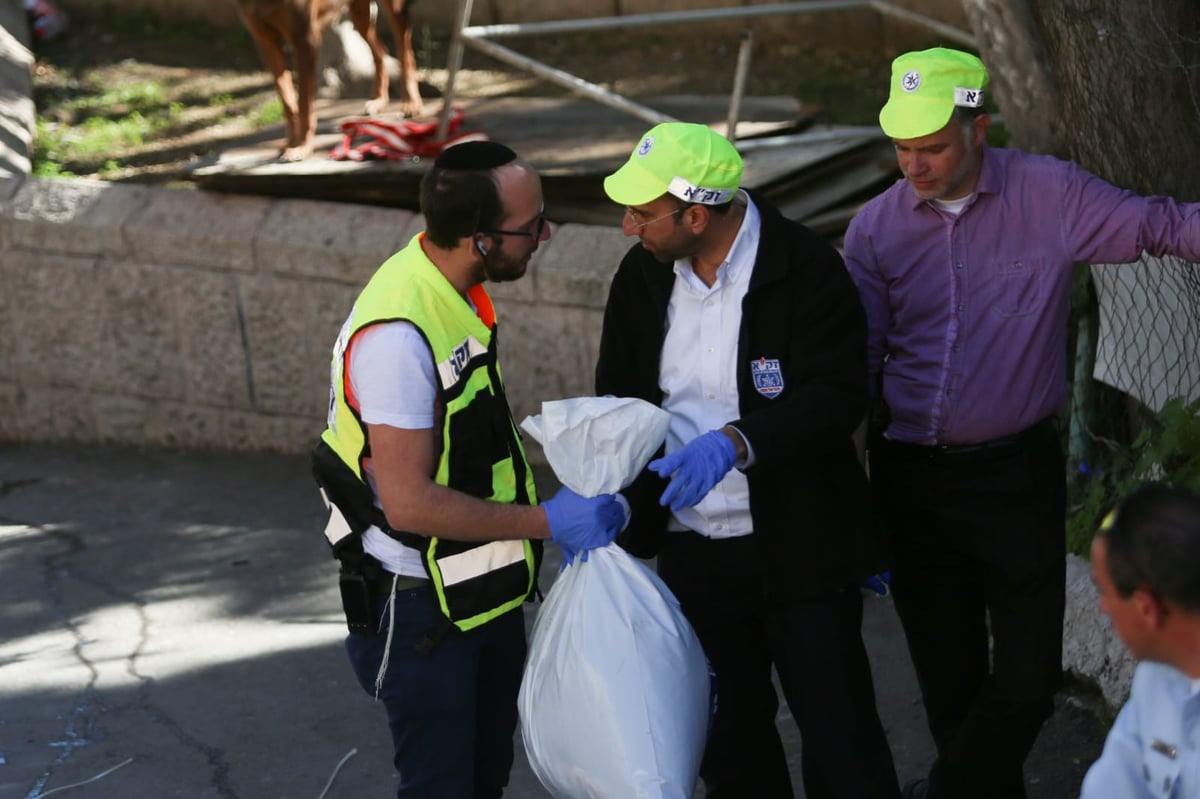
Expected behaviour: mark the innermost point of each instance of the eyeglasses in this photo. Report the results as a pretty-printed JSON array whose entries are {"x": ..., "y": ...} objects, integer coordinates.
[
  {"x": 636, "y": 225},
  {"x": 533, "y": 234}
]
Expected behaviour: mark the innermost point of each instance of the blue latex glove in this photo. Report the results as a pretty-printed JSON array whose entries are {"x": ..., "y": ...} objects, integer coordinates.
[
  {"x": 695, "y": 469},
  {"x": 568, "y": 554},
  {"x": 578, "y": 523},
  {"x": 880, "y": 584}
]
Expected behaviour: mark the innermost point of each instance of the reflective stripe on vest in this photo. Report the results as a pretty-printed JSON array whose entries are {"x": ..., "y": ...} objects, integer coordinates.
[{"x": 481, "y": 452}]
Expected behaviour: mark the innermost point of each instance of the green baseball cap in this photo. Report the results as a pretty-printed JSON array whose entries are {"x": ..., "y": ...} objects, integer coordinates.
[
  {"x": 926, "y": 87},
  {"x": 689, "y": 161}
]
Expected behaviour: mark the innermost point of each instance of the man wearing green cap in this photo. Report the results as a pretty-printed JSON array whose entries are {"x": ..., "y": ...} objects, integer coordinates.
[
  {"x": 965, "y": 272},
  {"x": 747, "y": 328}
]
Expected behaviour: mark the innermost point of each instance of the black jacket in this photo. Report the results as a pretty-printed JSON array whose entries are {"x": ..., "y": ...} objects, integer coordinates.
[{"x": 809, "y": 498}]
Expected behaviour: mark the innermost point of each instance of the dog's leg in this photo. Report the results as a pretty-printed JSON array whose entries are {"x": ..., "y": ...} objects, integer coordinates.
[
  {"x": 399, "y": 13},
  {"x": 305, "y": 45},
  {"x": 270, "y": 48},
  {"x": 360, "y": 16}
]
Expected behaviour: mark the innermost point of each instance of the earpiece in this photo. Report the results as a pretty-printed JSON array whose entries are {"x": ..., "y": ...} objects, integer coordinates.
[{"x": 479, "y": 246}]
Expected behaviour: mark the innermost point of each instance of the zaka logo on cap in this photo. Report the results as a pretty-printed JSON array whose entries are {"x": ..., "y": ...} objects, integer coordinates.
[
  {"x": 645, "y": 146},
  {"x": 911, "y": 81}
]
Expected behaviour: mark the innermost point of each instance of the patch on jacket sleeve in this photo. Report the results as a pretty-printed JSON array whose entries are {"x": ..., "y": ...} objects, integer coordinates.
[{"x": 768, "y": 377}]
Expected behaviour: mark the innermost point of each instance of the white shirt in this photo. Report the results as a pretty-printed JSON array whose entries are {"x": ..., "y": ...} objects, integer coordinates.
[
  {"x": 954, "y": 207},
  {"x": 391, "y": 375},
  {"x": 698, "y": 373}
]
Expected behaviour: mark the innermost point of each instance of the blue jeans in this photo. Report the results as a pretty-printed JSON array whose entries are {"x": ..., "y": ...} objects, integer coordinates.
[{"x": 453, "y": 712}]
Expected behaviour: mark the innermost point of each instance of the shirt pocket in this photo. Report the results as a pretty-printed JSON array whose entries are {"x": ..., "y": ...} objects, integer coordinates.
[{"x": 1016, "y": 286}]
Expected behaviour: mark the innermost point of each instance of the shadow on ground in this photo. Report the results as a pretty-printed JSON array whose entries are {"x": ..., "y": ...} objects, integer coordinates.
[{"x": 179, "y": 611}]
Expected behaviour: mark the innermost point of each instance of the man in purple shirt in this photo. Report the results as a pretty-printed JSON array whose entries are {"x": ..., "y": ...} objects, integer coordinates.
[{"x": 964, "y": 269}]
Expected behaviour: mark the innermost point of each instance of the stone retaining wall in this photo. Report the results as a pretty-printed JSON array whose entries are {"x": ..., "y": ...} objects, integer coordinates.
[
  {"x": 1091, "y": 648},
  {"x": 151, "y": 316}
]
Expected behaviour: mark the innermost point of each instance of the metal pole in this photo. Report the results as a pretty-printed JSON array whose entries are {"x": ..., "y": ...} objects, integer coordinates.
[
  {"x": 739, "y": 83},
  {"x": 948, "y": 31},
  {"x": 1078, "y": 440},
  {"x": 636, "y": 20},
  {"x": 453, "y": 64},
  {"x": 575, "y": 84},
  {"x": 810, "y": 137},
  {"x": 474, "y": 37}
]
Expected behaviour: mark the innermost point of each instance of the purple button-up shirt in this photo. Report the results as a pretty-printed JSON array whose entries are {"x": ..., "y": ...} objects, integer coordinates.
[{"x": 971, "y": 311}]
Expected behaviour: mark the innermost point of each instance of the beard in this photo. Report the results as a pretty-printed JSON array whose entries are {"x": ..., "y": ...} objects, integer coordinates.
[
  {"x": 682, "y": 244},
  {"x": 661, "y": 257},
  {"x": 498, "y": 268}
]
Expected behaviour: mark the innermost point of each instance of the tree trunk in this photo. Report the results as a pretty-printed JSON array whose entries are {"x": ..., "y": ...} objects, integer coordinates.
[
  {"x": 1023, "y": 84},
  {"x": 1129, "y": 78}
]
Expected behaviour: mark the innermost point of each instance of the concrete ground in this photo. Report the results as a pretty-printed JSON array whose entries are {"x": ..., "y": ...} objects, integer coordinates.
[{"x": 178, "y": 613}]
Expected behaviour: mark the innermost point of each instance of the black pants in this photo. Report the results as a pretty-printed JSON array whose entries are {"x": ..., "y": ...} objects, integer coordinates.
[
  {"x": 817, "y": 651},
  {"x": 978, "y": 542}
]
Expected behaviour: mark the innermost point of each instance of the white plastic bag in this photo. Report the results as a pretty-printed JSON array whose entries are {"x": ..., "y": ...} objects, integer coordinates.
[
  {"x": 597, "y": 445},
  {"x": 615, "y": 697}
]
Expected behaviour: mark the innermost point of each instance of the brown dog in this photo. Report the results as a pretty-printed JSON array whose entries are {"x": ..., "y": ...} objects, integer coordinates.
[{"x": 299, "y": 24}]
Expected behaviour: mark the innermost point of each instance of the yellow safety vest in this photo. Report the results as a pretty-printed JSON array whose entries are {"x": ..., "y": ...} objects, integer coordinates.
[{"x": 481, "y": 452}]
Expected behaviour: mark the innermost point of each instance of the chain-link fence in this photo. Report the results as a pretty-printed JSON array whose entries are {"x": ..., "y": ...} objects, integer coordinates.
[
  {"x": 1135, "y": 411},
  {"x": 1147, "y": 348},
  {"x": 1148, "y": 344},
  {"x": 1149, "y": 313}
]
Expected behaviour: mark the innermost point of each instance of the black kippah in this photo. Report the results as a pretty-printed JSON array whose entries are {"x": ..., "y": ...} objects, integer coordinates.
[{"x": 475, "y": 155}]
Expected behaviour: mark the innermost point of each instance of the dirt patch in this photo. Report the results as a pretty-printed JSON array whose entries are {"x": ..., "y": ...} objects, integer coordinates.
[{"x": 199, "y": 90}]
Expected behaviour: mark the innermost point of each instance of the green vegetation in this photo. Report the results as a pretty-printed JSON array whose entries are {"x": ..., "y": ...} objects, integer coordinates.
[
  {"x": 1166, "y": 451},
  {"x": 146, "y": 101},
  {"x": 101, "y": 124},
  {"x": 44, "y": 168},
  {"x": 269, "y": 113}
]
